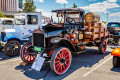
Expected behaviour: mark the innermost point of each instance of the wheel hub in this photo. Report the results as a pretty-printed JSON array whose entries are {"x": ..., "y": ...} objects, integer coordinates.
[{"x": 62, "y": 60}]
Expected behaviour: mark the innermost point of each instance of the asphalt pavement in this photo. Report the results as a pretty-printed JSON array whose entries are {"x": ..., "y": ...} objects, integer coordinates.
[{"x": 86, "y": 66}]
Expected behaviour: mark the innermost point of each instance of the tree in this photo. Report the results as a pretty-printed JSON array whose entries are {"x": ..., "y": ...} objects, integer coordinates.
[
  {"x": 29, "y": 6},
  {"x": 2, "y": 14},
  {"x": 74, "y": 6}
]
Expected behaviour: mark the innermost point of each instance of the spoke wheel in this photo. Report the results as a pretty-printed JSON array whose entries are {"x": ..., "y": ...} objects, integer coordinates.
[
  {"x": 12, "y": 48},
  {"x": 61, "y": 60},
  {"x": 25, "y": 56},
  {"x": 103, "y": 46}
]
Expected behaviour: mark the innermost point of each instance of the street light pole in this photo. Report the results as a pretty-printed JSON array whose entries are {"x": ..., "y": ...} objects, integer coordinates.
[
  {"x": 107, "y": 16},
  {"x": 64, "y": 5}
]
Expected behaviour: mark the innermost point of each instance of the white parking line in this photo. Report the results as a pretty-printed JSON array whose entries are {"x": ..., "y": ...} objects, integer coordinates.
[
  {"x": 89, "y": 72},
  {"x": 2, "y": 62}
]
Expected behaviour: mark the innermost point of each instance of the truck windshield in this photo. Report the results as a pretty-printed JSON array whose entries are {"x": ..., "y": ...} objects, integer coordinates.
[
  {"x": 74, "y": 16},
  {"x": 19, "y": 20},
  {"x": 113, "y": 25}
]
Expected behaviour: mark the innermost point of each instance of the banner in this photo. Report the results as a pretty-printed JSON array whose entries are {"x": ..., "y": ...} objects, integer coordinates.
[{"x": 20, "y": 4}]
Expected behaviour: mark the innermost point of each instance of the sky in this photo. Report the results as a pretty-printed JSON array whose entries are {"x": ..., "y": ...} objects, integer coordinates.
[{"x": 102, "y": 7}]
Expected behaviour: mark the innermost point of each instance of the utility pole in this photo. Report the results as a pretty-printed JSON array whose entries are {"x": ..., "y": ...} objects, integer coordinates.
[
  {"x": 64, "y": 5},
  {"x": 107, "y": 16}
]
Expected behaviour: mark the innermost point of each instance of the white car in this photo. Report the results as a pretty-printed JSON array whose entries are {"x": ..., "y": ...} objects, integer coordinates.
[
  {"x": 6, "y": 23},
  {"x": 24, "y": 24}
]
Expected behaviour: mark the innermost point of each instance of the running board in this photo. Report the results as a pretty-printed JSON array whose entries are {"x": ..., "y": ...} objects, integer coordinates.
[{"x": 81, "y": 52}]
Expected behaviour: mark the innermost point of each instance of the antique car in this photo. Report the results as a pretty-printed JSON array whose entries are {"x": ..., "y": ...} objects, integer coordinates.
[
  {"x": 73, "y": 32},
  {"x": 116, "y": 57},
  {"x": 24, "y": 24},
  {"x": 5, "y": 23},
  {"x": 114, "y": 29}
]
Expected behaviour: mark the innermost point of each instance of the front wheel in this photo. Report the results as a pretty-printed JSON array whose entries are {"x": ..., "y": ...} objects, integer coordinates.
[
  {"x": 12, "y": 48},
  {"x": 61, "y": 60},
  {"x": 25, "y": 53},
  {"x": 116, "y": 61},
  {"x": 102, "y": 46}
]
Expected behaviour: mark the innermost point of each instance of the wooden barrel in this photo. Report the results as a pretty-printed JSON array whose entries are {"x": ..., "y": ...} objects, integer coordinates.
[{"x": 91, "y": 16}]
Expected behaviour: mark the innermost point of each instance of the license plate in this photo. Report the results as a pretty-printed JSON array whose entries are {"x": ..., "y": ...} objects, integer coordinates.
[
  {"x": 2, "y": 44},
  {"x": 37, "y": 49},
  {"x": 37, "y": 65}
]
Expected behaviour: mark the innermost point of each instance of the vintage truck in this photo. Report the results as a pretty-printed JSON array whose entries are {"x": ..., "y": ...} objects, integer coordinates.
[
  {"x": 58, "y": 42},
  {"x": 24, "y": 24}
]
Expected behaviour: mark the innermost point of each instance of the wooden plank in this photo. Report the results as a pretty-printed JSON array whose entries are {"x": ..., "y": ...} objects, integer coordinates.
[
  {"x": 23, "y": 63},
  {"x": 87, "y": 36},
  {"x": 87, "y": 40}
]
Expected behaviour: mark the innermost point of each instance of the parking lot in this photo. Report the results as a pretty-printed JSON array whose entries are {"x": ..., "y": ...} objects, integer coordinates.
[{"x": 87, "y": 66}]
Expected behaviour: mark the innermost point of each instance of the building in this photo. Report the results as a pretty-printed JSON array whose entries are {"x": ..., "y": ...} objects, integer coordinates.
[{"x": 10, "y": 7}]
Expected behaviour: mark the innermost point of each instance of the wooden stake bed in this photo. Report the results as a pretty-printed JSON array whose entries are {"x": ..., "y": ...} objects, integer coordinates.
[{"x": 94, "y": 32}]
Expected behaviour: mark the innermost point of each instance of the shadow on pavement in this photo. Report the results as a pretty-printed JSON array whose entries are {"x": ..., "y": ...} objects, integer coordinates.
[
  {"x": 87, "y": 59},
  {"x": 4, "y": 57},
  {"x": 116, "y": 69}
]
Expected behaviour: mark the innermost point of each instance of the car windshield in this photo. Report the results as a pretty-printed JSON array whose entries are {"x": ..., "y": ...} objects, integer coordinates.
[{"x": 19, "y": 20}]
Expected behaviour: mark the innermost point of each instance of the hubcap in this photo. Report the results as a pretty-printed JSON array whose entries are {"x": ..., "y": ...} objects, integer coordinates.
[
  {"x": 13, "y": 48},
  {"x": 62, "y": 60}
]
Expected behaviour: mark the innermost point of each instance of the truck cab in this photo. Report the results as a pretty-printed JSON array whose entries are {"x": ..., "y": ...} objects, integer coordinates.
[{"x": 24, "y": 24}]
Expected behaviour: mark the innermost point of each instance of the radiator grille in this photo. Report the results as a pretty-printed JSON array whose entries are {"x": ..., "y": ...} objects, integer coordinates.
[{"x": 38, "y": 40}]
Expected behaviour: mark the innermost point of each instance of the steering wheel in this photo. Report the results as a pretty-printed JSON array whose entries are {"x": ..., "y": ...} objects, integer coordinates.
[{"x": 70, "y": 20}]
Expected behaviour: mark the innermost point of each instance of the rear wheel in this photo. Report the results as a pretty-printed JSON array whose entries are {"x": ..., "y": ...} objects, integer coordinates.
[
  {"x": 103, "y": 46},
  {"x": 25, "y": 53},
  {"x": 116, "y": 61},
  {"x": 12, "y": 48},
  {"x": 61, "y": 60}
]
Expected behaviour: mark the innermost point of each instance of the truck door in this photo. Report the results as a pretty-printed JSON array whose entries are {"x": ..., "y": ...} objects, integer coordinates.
[{"x": 32, "y": 24}]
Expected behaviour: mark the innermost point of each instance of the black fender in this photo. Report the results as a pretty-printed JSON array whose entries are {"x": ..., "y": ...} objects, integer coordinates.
[{"x": 61, "y": 42}]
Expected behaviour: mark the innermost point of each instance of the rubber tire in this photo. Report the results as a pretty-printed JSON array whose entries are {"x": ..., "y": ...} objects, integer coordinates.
[
  {"x": 21, "y": 52},
  {"x": 53, "y": 57},
  {"x": 100, "y": 46},
  {"x": 5, "y": 48},
  {"x": 116, "y": 61},
  {"x": 1, "y": 48}
]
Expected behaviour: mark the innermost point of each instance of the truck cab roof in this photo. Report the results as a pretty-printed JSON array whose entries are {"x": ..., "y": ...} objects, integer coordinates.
[{"x": 69, "y": 10}]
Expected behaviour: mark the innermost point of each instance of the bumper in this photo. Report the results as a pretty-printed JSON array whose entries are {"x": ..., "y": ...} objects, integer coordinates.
[{"x": 2, "y": 44}]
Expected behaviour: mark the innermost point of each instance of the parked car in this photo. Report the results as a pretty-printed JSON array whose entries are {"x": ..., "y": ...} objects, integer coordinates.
[
  {"x": 114, "y": 28},
  {"x": 69, "y": 37},
  {"x": 24, "y": 24},
  {"x": 6, "y": 23}
]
